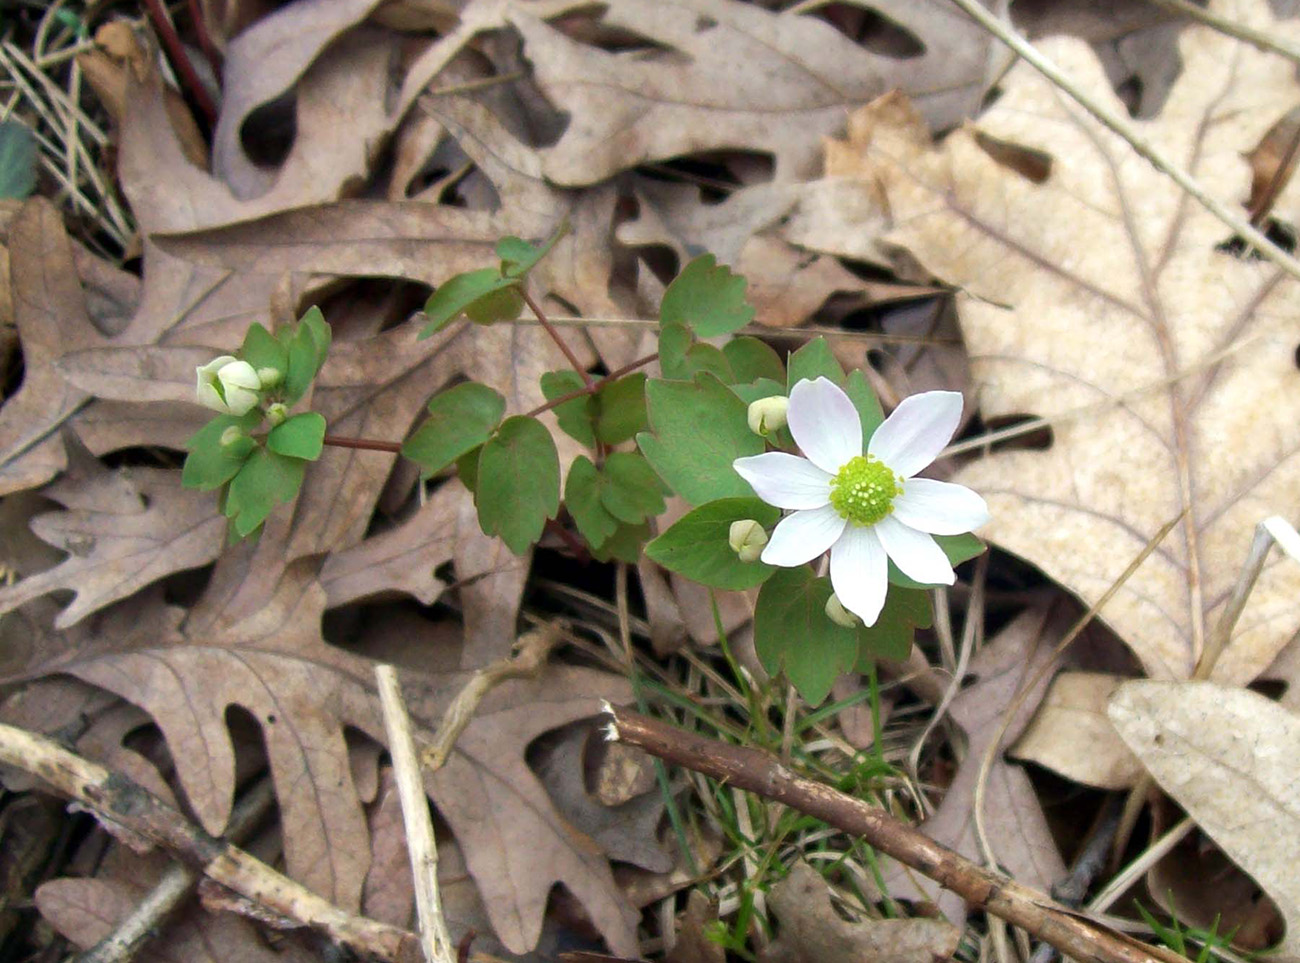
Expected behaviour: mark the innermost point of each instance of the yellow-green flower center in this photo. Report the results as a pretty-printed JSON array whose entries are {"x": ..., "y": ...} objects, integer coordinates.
[{"x": 864, "y": 490}]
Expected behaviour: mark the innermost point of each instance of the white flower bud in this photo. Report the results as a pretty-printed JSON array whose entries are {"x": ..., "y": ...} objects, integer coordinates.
[
  {"x": 747, "y": 539},
  {"x": 767, "y": 415},
  {"x": 228, "y": 385},
  {"x": 231, "y": 435},
  {"x": 837, "y": 613},
  {"x": 270, "y": 377},
  {"x": 277, "y": 413}
]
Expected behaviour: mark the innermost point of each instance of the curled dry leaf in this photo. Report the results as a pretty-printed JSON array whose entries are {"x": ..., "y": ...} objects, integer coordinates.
[
  {"x": 1106, "y": 290},
  {"x": 1227, "y": 756},
  {"x": 812, "y": 930}
]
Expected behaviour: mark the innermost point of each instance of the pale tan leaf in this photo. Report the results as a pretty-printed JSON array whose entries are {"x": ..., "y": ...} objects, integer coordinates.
[
  {"x": 1071, "y": 733},
  {"x": 696, "y": 91},
  {"x": 1104, "y": 287},
  {"x": 812, "y": 931},
  {"x": 1227, "y": 756}
]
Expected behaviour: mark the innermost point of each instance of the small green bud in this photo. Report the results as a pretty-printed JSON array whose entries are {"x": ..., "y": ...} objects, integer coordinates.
[
  {"x": 270, "y": 377},
  {"x": 747, "y": 538},
  {"x": 231, "y": 435},
  {"x": 767, "y": 415},
  {"x": 837, "y": 613},
  {"x": 277, "y": 413}
]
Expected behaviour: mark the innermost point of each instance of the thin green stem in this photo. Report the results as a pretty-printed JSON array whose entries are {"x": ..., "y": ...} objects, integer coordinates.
[
  {"x": 365, "y": 444},
  {"x": 592, "y": 387}
]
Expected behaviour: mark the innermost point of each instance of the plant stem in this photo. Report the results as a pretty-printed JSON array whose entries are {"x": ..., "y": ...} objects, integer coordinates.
[
  {"x": 206, "y": 45},
  {"x": 365, "y": 444},
  {"x": 180, "y": 60},
  {"x": 555, "y": 336},
  {"x": 593, "y": 386}
]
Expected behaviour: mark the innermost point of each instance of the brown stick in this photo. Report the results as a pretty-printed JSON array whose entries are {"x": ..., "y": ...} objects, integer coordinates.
[
  {"x": 1071, "y": 933},
  {"x": 123, "y": 801},
  {"x": 180, "y": 59}
]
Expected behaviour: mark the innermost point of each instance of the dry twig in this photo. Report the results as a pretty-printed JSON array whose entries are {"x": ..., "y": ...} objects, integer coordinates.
[{"x": 121, "y": 800}]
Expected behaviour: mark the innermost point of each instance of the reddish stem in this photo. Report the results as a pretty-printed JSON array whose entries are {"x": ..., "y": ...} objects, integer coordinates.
[
  {"x": 365, "y": 444},
  {"x": 210, "y": 51},
  {"x": 593, "y": 386},
  {"x": 555, "y": 336},
  {"x": 179, "y": 60}
]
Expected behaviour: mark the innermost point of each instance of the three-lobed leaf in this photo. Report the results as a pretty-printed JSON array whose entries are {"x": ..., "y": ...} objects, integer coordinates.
[
  {"x": 577, "y": 416},
  {"x": 633, "y": 492},
  {"x": 455, "y": 295},
  {"x": 518, "y": 484},
  {"x": 698, "y": 544},
  {"x": 582, "y": 497},
  {"x": 210, "y": 464},
  {"x": 707, "y": 298},
  {"x": 302, "y": 436},
  {"x": 307, "y": 345},
  {"x": 460, "y": 419},
  {"x": 267, "y": 479},
  {"x": 792, "y": 633}
]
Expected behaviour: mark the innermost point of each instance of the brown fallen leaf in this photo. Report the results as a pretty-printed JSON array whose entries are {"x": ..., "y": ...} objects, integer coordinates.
[
  {"x": 1017, "y": 829},
  {"x": 1104, "y": 289},
  {"x": 697, "y": 89},
  {"x": 254, "y": 640},
  {"x": 1226, "y": 756},
  {"x": 812, "y": 931},
  {"x": 1072, "y": 734}
]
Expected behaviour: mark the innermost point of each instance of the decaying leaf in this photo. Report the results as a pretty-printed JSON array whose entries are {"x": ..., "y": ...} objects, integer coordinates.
[
  {"x": 1105, "y": 289},
  {"x": 1226, "y": 755},
  {"x": 1017, "y": 828},
  {"x": 812, "y": 931}
]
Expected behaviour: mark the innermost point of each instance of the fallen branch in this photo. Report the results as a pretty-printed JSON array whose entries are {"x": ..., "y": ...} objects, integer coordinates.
[
  {"x": 1068, "y": 930},
  {"x": 119, "y": 799}
]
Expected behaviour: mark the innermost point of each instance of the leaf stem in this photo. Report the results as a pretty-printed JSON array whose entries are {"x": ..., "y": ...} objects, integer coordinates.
[
  {"x": 365, "y": 444},
  {"x": 180, "y": 59},
  {"x": 593, "y": 386},
  {"x": 555, "y": 336}
]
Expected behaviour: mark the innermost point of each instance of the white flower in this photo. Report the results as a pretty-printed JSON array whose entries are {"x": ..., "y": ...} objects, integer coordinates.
[
  {"x": 866, "y": 509},
  {"x": 768, "y": 414},
  {"x": 228, "y": 385}
]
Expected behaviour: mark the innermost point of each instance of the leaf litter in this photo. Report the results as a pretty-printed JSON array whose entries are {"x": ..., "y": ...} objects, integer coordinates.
[{"x": 710, "y": 125}]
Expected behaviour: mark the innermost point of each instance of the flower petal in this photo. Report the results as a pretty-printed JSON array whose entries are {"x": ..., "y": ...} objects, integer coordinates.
[
  {"x": 940, "y": 508},
  {"x": 824, "y": 423},
  {"x": 786, "y": 481},
  {"x": 860, "y": 573},
  {"x": 208, "y": 397},
  {"x": 801, "y": 537},
  {"x": 915, "y": 553},
  {"x": 917, "y": 431},
  {"x": 239, "y": 374},
  {"x": 240, "y": 400}
]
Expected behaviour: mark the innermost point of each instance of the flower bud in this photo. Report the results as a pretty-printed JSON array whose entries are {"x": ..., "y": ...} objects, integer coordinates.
[
  {"x": 231, "y": 435},
  {"x": 277, "y": 413},
  {"x": 837, "y": 613},
  {"x": 747, "y": 538},
  {"x": 228, "y": 385},
  {"x": 767, "y": 415},
  {"x": 270, "y": 377}
]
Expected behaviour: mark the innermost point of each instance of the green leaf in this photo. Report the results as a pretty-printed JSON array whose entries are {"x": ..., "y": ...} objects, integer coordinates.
[
  {"x": 301, "y": 436},
  {"x": 814, "y": 360},
  {"x": 577, "y": 416},
  {"x": 457, "y": 293},
  {"x": 751, "y": 359},
  {"x": 308, "y": 346},
  {"x": 467, "y": 468},
  {"x": 706, "y": 297},
  {"x": 697, "y": 545},
  {"x": 864, "y": 399},
  {"x": 518, "y": 256},
  {"x": 793, "y": 633},
  {"x": 266, "y": 480},
  {"x": 905, "y": 611},
  {"x": 505, "y": 304},
  {"x": 460, "y": 419},
  {"x": 518, "y": 483},
  {"x": 699, "y": 428},
  {"x": 762, "y": 388},
  {"x": 582, "y": 493},
  {"x": 634, "y": 492},
  {"x": 624, "y": 545},
  {"x": 705, "y": 357},
  {"x": 621, "y": 406},
  {"x": 211, "y": 464},
  {"x": 262, "y": 349},
  {"x": 674, "y": 341},
  {"x": 958, "y": 548},
  {"x": 18, "y": 154}
]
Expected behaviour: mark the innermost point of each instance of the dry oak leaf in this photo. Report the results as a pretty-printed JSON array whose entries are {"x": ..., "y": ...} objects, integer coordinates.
[
  {"x": 724, "y": 74},
  {"x": 1104, "y": 288},
  {"x": 1227, "y": 756},
  {"x": 254, "y": 640}
]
